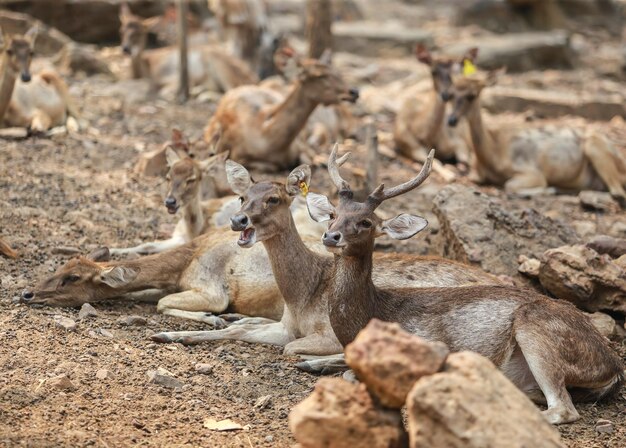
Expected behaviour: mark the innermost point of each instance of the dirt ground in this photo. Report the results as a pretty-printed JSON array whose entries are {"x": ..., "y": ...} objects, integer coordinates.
[{"x": 79, "y": 191}]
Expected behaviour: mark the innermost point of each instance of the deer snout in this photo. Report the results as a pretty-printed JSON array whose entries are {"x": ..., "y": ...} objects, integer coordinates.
[
  {"x": 453, "y": 120},
  {"x": 171, "y": 205},
  {"x": 354, "y": 94},
  {"x": 26, "y": 77},
  {"x": 332, "y": 239},
  {"x": 28, "y": 295},
  {"x": 446, "y": 96},
  {"x": 126, "y": 49},
  {"x": 239, "y": 222}
]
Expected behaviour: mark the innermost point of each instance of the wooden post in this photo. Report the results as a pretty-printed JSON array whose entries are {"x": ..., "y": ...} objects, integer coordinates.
[
  {"x": 371, "y": 139},
  {"x": 319, "y": 17},
  {"x": 181, "y": 29}
]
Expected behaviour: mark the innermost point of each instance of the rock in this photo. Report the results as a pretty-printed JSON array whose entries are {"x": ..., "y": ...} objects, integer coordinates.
[
  {"x": 482, "y": 230},
  {"x": 65, "y": 322},
  {"x": 49, "y": 40},
  {"x": 389, "y": 360},
  {"x": 591, "y": 281},
  {"x": 528, "y": 266},
  {"x": 106, "y": 333},
  {"x": 133, "y": 321},
  {"x": 604, "y": 244},
  {"x": 585, "y": 229},
  {"x": 103, "y": 374},
  {"x": 87, "y": 311},
  {"x": 604, "y": 426},
  {"x": 205, "y": 369},
  {"x": 519, "y": 52},
  {"x": 164, "y": 378},
  {"x": 472, "y": 404},
  {"x": 61, "y": 382},
  {"x": 263, "y": 402},
  {"x": 378, "y": 38},
  {"x": 618, "y": 229},
  {"x": 75, "y": 58},
  {"x": 552, "y": 104},
  {"x": 597, "y": 200},
  {"x": 603, "y": 323},
  {"x": 339, "y": 414}
]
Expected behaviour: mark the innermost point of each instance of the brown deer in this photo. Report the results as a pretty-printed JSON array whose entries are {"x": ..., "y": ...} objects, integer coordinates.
[
  {"x": 209, "y": 65},
  {"x": 302, "y": 274},
  {"x": 37, "y": 102},
  {"x": 6, "y": 250},
  {"x": 533, "y": 156},
  {"x": 259, "y": 125},
  {"x": 546, "y": 347}
]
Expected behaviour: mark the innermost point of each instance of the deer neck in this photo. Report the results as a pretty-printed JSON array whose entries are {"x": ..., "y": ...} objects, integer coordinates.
[
  {"x": 139, "y": 65},
  {"x": 194, "y": 217},
  {"x": 353, "y": 301},
  {"x": 435, "y": 118},
  {"x": 297, "y": 269},
  {"x": 7, "y": 82},
  {"x": 285, "y": 122}
]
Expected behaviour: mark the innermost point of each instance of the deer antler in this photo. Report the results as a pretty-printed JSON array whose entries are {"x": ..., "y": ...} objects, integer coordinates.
[
  {"x": 333, "y": 169},
  {"x": 382, "y": 194}
]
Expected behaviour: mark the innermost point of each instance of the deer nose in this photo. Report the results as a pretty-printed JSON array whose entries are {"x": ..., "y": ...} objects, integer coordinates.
[
  {"x": 331, "y": 238},
  {"x": 239, "y": 222},
  {"x": 170, "y": 201},
  {"x": 28, "y": 295},
  {"x": 354, "y": 93},
  {"x": 26, "y": 77},
  {"x": 446, "y": 96},
  {"x": 126, "y": 49},
  {"x": 453, "y": 121}
]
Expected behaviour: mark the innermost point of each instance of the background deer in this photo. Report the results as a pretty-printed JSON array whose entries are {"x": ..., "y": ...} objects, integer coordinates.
[
  {"x": 546, "y": 347},
  {"x": 259, "y": 125},
  {"x": 209, "y": 65},
  {"x": 528, "y": 157},
  {"x": 420, "y": 123},
  {"x": 302, "y": 274},
  {"x": 37, "y": 102}
]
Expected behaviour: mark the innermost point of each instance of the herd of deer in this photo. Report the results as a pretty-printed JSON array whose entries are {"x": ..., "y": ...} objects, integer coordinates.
[{"x": 293, "y": 291}]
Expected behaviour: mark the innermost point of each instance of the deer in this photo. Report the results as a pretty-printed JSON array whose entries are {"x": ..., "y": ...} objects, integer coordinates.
[
  {"x": 533, "y": 157},
  {"x": 260, "y": 126},
  {"x": 209, "y": 65},
  {"x": 302, "y": 273},
  {"x": 37, "y": 102},
  {"x": 6, "y": 250},
  {"x": 420, "y": 123},
  {"x": 546, "y": 347}
]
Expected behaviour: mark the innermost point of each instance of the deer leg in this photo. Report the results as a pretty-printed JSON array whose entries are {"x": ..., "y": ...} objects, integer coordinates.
[
  {"x": 523, "y": 182},
  {"x": 314, "y": 344},
  {"x": 41, "y": 121},
  {"x": 273, "y": 334},
  {"x": 195, "y": 305},
  {"x": 607, "y": 164},
  {"x": 154, "y": 247},
  {"x": 323, "y": 365}
]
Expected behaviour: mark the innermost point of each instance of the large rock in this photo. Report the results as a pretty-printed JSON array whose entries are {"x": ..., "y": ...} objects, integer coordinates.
[
  {"x": 378, "y": 38},
  {"x": 389, "y": 360},
  {"x": 472, "y": 404},
  {"x": 49, "y": 40},
  {"x": 521, "y": 51},
  {"x": 481, "y": 230},
  {"x": 591, "y": 281},
  {"x": 551, "y": 104},
  {"x": 339, "y": 414}
]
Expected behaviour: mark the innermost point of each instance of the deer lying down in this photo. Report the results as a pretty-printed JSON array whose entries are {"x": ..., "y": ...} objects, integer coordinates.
[
  {"x": 302, "y": 274},
  {"x": 209, "y": 65},
  {"x": 531, "y": 157},
  {"x": 259, "y": 125},
  {"x": 37, "y": 102},
  {"x": 546, "y": 347}
]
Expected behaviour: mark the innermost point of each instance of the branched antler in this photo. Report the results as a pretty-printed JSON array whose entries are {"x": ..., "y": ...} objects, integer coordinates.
[{"x": 333, "y": 169}]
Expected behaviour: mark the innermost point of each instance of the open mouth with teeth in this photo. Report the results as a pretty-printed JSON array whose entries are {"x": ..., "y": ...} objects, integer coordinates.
[
  {"x": 247, "y": 238},
  {"x": 172, "y": 209}
]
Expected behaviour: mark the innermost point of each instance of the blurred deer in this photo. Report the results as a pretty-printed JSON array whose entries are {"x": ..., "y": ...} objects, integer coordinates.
[
  {"x": 209, "y": 65},
  {"x": 531, "y": 157},
  {"x": 546, "y": 347},
  {"x": 420, "y": 123},
  {"x": 259, "y": 125},
  {"x": 37, "y": 102}
]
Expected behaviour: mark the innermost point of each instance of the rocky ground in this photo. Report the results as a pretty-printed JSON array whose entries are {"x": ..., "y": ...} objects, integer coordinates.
[{"x": 86, "y": 381}]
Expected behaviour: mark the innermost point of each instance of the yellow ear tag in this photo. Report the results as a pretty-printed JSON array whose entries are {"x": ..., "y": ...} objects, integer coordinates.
[
  {"x": 468, "y": 67},
  {"x": 304, "y": 188}
]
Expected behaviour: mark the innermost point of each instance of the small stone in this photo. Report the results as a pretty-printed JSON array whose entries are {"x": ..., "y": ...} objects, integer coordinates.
[
  {"x": 103, "y": 374},
  {"x": 603, "y": 323},
  {"x": 269, "y": 439},
  {"x": 164, "y": 378},
  {"x": 204, "y": 369},
  {"x": 87, "y": 311},
  {"x": 61, "y": 382},
  {"x": 133, "y": 321},
  {"x": 597, "y": 200},
  {"x": 106, "y": 333},
  {"x": 65, "y": 250},
  {"x": 263, "y": 402},
  {"x": 65, "y": 322},
  {"x": 528, "y": 266},
  {"x": 604, "y": 426}
]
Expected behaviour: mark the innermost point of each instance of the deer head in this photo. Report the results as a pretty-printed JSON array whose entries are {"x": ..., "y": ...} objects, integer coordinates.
[
  {"x": 353, "y": 225},
  {"x": 81, "y": 280},
  {"x": 133, "y": 32},
  {"x": 322, "y": 83},
  {"x": 466, "y": 90},
  {"x": 18, "y": 52},
  {"x": 443, "y": 68},
  {"x": 264, "y": 205}
]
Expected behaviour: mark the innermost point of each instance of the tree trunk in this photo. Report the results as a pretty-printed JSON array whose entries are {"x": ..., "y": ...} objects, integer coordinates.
[
  {"x": 318, "y": 21},
  {"x": 181, "y": 29}
]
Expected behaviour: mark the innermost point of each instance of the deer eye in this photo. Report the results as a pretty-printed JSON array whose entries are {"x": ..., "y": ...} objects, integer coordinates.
[
  {"x": 273, "y": 200},
  {"x": 191, "y": 181},
  {"x": 366, "y": 223},
  {"x": 471, "y": 97},
  {"x": 70, "y": 279},
  {"x": 241, "y": 199},
  {"x": 10, "y": 52}
]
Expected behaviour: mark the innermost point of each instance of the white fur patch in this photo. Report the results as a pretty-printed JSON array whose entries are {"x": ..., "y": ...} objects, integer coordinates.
[{"x": 403, "y": 226}]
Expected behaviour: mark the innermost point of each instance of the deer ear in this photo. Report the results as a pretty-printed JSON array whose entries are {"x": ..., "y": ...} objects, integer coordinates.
[
  {"x": 423, "y": 55},
  {"x": 320, "y": 208},
  {"x": 99, "y": 254},
  {"x": 403, "y": 226},
  {"x": 117, "y": 276},
  {"x": 471, "y": 54},
  {"x": 32, "y": 34},
  {"x": 494, "y": 75},
  {"x": 238, "y": 177},
  {"x": 326, "y": 57},
  {"x": 215, "y": 142},
  {"x": 298, "y": 180},
  {"x": 214, "y": 164},
  {"x": 125, "y": 12},
  {"x": 171, "y": 156}
]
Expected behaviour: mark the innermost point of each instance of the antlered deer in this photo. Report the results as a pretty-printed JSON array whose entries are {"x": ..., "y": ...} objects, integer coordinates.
[{"x": 546, "y": 347}]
